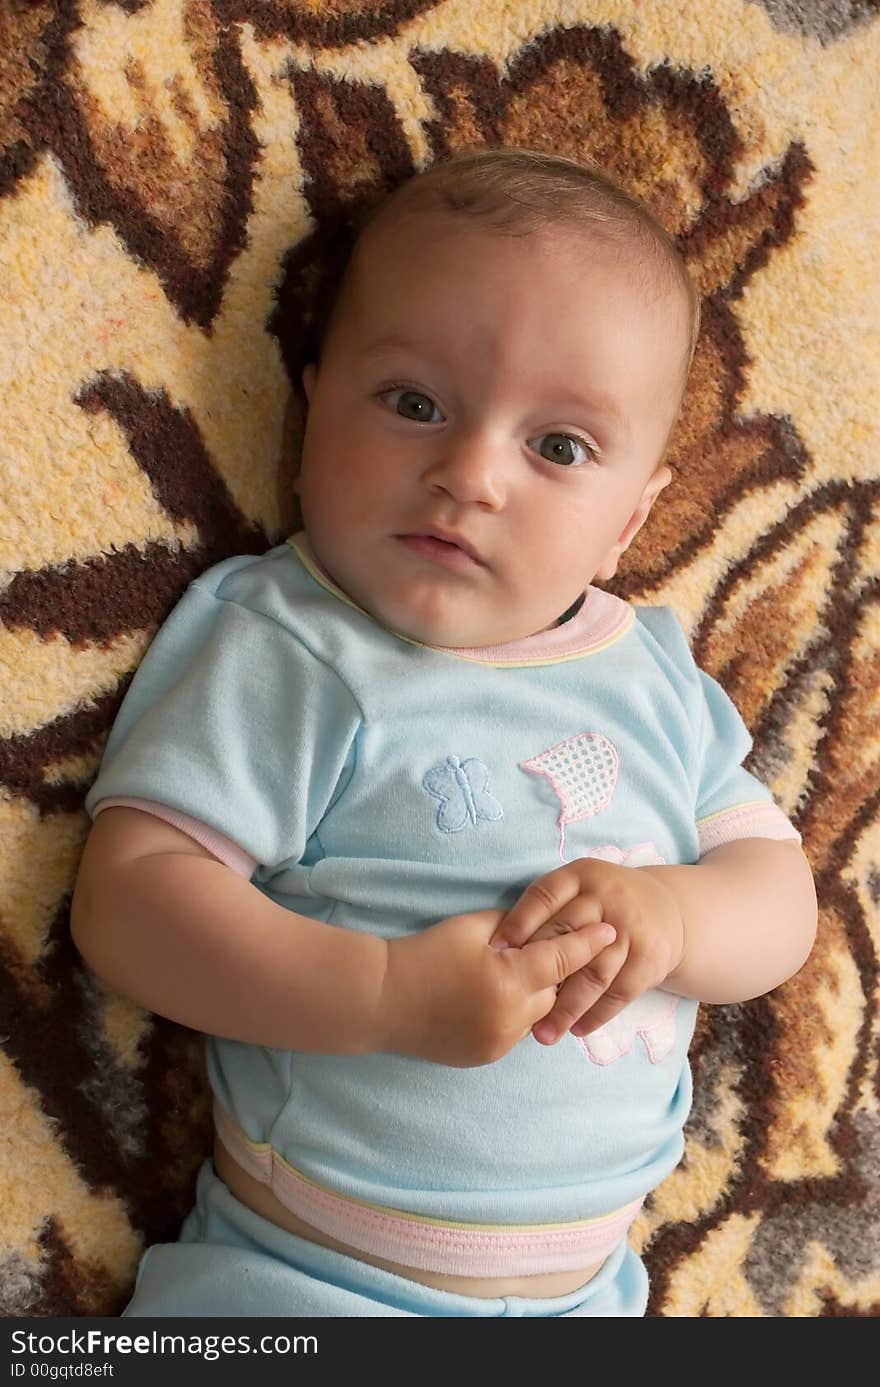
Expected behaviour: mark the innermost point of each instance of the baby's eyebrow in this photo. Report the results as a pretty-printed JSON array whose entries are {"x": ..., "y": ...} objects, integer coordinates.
[
  {"x": 386, "y": 344},
  {"x": 603, "y": 405}
]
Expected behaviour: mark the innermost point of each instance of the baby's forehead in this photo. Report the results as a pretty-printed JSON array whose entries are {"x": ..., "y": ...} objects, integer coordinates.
[
  {"x": 407, "y": 239},
  {"x": 405, "y": 231},
  {"x": 410, "y": 228}
]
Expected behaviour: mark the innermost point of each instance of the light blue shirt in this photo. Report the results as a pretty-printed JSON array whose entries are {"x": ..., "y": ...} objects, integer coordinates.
[{"x": 382, "y": 785}]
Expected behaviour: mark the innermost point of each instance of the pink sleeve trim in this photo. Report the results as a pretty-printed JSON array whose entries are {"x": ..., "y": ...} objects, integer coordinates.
[
  {"x": 217, "y": 843},
  {"x": 757, "y": 820},
  {"x": 431, "y": 1244}
]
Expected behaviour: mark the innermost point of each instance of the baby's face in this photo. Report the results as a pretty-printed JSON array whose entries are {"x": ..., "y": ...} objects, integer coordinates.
[{"x": 485, "y": 426}]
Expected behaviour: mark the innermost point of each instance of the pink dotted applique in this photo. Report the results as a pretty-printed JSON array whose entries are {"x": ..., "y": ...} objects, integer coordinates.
[{"x": 583, "y": 771}]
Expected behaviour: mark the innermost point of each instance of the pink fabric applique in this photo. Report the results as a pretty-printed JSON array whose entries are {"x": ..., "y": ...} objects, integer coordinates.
[
  {"x": 642, "y": 855},
  {"x": 652, "y": 1016},
  {"x": 583, "y": 772}
]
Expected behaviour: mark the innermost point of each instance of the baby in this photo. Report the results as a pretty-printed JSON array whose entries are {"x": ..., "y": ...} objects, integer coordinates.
[{"x": 440, "y": 844}]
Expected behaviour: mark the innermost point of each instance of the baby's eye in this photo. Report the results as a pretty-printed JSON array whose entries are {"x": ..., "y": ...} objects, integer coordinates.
[
  {"x": 412, "y": 404},
  {"x": 565, "y": 449}
]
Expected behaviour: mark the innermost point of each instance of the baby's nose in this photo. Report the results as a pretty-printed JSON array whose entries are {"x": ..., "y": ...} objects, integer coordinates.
[{"x": 471, "y": 468}]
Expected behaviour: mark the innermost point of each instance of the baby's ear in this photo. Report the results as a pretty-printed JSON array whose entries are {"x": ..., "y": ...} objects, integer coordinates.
[
  {"x": 308, "y": 379},
  {"x": 660, "y": 478}
]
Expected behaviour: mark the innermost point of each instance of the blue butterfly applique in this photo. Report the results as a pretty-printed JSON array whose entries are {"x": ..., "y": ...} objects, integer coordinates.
[{"x": 461, "y": 788}]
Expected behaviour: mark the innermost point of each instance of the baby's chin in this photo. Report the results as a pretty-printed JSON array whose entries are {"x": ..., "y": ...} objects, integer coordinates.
[{"x": 435, "y": 615}]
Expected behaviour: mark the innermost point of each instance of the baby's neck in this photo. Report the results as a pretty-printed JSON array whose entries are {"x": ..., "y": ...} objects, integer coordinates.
[{"x": 572, "y": 611}]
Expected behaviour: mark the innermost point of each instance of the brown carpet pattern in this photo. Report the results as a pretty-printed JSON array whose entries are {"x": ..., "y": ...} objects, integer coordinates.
[{"x": 177, "y": 183}]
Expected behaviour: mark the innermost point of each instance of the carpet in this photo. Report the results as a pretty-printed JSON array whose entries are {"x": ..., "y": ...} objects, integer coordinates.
[{"x": 178, "y": 180}]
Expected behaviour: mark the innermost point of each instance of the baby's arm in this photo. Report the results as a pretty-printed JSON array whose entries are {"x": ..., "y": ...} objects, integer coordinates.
[
  {"x": 731, "y": 927},
  {"x": 750, "y": 913},
  {"x": 167, "y": 925},
  {"x": 164, "y": 923}
]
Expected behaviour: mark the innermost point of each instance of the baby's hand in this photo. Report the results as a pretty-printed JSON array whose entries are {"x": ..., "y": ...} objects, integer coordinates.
[
  {"x": 648, "y": 946},
  {"x": 449, "y": 998}
]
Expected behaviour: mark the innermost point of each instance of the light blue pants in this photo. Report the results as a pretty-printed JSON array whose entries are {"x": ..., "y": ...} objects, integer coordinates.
[{"x": 228, "y": 1261}]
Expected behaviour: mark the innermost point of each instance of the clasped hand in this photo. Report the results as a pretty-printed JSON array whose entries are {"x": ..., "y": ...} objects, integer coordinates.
[
  {"x": 648, "y": 943},
  {"x": 579, "y": 945}
]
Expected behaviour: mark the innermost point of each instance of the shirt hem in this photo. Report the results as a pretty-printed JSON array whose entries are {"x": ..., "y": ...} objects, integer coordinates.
[{"x": 422, "y": 1242}]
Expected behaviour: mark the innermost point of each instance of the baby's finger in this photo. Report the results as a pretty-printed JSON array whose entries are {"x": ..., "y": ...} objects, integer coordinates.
[
  {"x": 631, "y": 982},
  {"x": 540, "y": 901},
  {"x": 583, "y": 910},
  {"x": 548, "y": 962},
  {"x": 580, "y": 993}
]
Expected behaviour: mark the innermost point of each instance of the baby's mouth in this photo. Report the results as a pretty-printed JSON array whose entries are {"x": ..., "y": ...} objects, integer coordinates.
[{"x": 447, "y": 552}]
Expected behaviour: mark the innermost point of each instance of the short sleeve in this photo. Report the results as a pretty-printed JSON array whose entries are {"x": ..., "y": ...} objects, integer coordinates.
[
  {"x": 731, "y": 802},
  {"x": 230, "y": 721}
]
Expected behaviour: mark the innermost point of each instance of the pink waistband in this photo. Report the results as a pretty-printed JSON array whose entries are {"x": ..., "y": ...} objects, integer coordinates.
[{"x": 430, "y": 1244}]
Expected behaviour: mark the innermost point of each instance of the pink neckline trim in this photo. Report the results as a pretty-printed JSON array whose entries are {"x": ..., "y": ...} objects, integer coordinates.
[{"x": 602, "y": 618}]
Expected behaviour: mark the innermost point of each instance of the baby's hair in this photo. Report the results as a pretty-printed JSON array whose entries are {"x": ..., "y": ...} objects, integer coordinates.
[{"x": 515, "y": 192}]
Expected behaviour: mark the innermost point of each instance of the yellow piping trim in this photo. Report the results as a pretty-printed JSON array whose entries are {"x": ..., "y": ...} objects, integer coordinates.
[{"x": 735, "y": 808}]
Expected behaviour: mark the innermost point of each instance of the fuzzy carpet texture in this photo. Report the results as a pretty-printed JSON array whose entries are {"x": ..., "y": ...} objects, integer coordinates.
[{"x": 177, "y": 182}]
